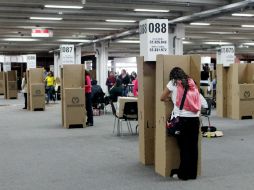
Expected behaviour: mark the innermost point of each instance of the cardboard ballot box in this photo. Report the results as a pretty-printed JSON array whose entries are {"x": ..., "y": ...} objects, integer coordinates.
[
  {"x": 37, "y": 97},
  {"x": 74, "y": 106}
]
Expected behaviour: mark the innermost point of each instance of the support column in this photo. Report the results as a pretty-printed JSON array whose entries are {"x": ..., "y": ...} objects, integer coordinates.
[
  {"x": 176, "y": 36},
  {"x": 57, "y": 65},
  {"x": 101, "y": 65},
  {"x": 78, "y": 55}
]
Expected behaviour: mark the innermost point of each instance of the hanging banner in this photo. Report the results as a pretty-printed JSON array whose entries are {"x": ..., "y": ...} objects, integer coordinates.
[
  {"x": 1, "y": 58},
  {"x": 67, "y": 54},
  {"x": 42, "y": 33},
  {"x": 153, "y": 38},
  {"x": 6, "y": 66},
  {"x": 227, "y": 55},
  {"x": 31, "y": 61}
]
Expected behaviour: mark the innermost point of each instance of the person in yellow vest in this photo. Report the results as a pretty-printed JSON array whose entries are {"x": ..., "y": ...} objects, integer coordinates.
[{"x": 50, "y": 87}]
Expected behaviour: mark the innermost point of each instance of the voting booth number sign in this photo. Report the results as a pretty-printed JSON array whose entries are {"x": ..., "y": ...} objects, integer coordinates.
[{"x": 153, "y": 38}]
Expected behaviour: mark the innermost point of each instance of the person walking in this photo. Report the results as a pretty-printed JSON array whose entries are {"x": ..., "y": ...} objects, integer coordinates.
[
  {"x": 50, "y": 87},
  {"x": 88, "y": 94},
  {"x": 188, "y": 119},
  {"x": 24, "y": 88}
]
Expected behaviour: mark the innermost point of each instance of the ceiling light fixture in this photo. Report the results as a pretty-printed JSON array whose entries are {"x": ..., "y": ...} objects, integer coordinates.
[
  {"x": 243, "y": 14},
  {"x": 249, "y": 44},
  {"x": 128, "y": 21},
  {"x": 187, "y": 42},
  {"x": 200, "y": 24},
  {"x": 128, "y": 41},
  {"x": 20, "y": 39},
  {"x": 63, "y": 7},
  {"x": 75, "y": 40},
  {"x": 151, "y": 10},
  {"x": 45, "y": 18},
  {"x": 248, "y": 26},
  {"x": 217, "y": 43}
]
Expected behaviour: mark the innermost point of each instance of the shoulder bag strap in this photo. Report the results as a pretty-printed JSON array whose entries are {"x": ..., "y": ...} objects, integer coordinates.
[{"x": 183, "y": 98}]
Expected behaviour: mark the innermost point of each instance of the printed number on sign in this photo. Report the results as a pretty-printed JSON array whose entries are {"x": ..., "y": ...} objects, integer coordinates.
[
  {"x": 153, "y": 28},
  {"x": 67, "y": 49}
]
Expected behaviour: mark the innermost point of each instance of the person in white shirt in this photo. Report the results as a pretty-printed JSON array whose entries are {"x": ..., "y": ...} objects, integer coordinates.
[
  {"x": 24, "y": 88},
  {"x": 188, "y": 140}
]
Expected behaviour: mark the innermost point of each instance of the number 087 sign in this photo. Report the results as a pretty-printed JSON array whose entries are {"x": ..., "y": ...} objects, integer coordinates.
[
  {"x": 153, "y": 38},
  {"x": 67, "y": 54}
]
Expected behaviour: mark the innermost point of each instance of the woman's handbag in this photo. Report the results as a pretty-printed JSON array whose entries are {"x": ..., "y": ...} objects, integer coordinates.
[{"x": 174, "y": 127}]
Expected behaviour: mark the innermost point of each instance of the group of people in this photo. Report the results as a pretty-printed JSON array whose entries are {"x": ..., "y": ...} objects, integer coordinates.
[{"x": 121, "y": 85}]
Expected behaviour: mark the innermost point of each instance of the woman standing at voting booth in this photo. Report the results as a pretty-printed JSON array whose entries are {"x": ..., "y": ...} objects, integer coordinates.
[
  {"x": 187, "y": 111},
  {"x": 88, "y": 92}
]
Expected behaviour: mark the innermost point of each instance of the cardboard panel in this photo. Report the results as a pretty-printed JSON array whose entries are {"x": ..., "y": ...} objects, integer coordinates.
[
  {"x": 36, "y": 75},
  {"x": 37, "y": 99},
  {"x": 35, "y": 89},
  {"x": 146, "y": 107},
  {"x": 74, "y": 107},
  {"x": 73, "y": 76},
  {"x": 11, "y": 85},
  {"x": 2, "y": 86},
  {"x": 250, "y": 73},
  {"x": 166, "y": 148}
]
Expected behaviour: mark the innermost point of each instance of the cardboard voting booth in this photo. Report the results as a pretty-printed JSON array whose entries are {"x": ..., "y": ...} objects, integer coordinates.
[
  {"x": 155, "y": 146},
  {"x": 73, "y": 96},
  {"x": 35, "y": 89},
  {"x": 235, "y": 91},
  {"x": 10, "y": 85}
]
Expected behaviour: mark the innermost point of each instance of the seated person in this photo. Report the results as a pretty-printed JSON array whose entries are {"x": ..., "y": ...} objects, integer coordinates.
[
  {"x": 116, "y": 91},
  {"x": 97, "y": 93}
]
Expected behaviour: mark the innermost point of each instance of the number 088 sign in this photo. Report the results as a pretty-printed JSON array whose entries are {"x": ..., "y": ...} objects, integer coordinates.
[
  {"x": 153, "y": 38},
  {"x": 67, "y": 54}
]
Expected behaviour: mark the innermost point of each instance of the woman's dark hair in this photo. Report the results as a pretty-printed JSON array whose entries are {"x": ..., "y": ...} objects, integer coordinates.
[
  {"x": 87, "y": 73},
  {"x": 177, "y": 74},
  {"x": 118, "y": 82}
]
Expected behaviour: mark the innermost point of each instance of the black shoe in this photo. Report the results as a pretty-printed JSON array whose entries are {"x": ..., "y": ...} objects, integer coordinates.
[
  {"x": 89, "y": 124},
  {"x": 24, "y": 108}
]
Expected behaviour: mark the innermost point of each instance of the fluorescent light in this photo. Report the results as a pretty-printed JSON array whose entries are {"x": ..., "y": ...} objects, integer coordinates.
[
  {"x": 100, "y": 29},
  {"x": 63, "y": 7},
  {"x": 217, "y": 43},
  {"x": 200, "y": 24},
  {"x": 128, "y": 41},
  {"x": 130, "y": 21},
  {"x": 187, "y": 42},
  {"x": 249, "y": 44},
  {"x": 222, "y": 33},
  {"x": 45, "y": 18},
  {"x": 20, "y": 39},
  {"x": 75, "y": 40},
  {"x": 243, "y": 14},
  {"x": 248, "y": 26},
  {"x": 151, "y": 10}
]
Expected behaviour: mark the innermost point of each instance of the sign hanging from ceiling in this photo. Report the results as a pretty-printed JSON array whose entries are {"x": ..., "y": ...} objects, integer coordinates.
[
  {"x": 42, "y": 33},
  {"x": 226, "y": 55},
  {"x": 6, "y": 66},
  {"x": 67, "y": 54},
  {"x": 31, "y": 61},
  {"x": 153, "y": 38}
]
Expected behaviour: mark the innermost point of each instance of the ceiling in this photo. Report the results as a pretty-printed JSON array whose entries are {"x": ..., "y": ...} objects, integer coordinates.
[{"x": 89, "y": 23}]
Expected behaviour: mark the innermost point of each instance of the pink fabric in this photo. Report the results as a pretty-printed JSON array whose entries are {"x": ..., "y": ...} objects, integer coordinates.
[
  {"x": 135, "y": 87},
  {"x": 88, "y": 86},
  {"x": 192, "y": 102}
]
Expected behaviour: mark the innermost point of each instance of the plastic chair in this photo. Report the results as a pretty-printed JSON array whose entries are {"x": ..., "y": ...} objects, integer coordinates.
[
  {"x": 206, "y": 112},
  {"x": 130, "y": 113}
]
